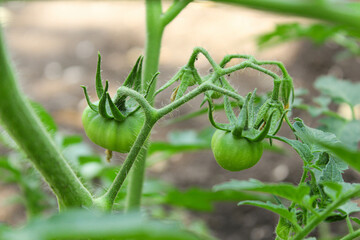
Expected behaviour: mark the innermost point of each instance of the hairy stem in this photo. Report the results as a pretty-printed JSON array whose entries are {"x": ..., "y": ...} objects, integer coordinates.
[
  {"x": 23, "y": 125},
  {"x": 107, "y": 200}
]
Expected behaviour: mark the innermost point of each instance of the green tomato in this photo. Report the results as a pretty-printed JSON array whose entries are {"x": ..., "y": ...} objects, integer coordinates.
[
  {"x": 235, "y": 154},
  {"x": 111, "y": 134}
]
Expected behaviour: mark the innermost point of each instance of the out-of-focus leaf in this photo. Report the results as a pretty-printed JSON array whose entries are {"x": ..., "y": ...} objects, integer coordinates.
[
  {"x": 349, "y": 207},
  {"x": 333, "y": 125},
  {"x": 44, "y": 117},
  {"x": 89, "y": 159},
  {"x": 203, "y": 200},
  {"x": 91, "y": 170},
  {"x": 350, "y": 134},
  {"x": 318, "y": 33},
  {"x": 74, "y": 151},
  {"x": 180, "y": 141},
  {"x": 87, "y": 225},
  {"x": 278, "y": 209},
  {"x": 339, "y": 90},
  {"x": 70, "y": 140},
  {"x": 356, "y": 220},
  {"x": 4, "y": 164},
  {"x": 336, "y": 189},
  {"x": 288, "y": 191}
]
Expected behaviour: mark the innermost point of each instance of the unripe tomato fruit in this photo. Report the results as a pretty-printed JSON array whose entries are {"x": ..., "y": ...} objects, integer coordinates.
[
  {"x": 111, "y": 134},
  {"x": 235, "y": 154}
]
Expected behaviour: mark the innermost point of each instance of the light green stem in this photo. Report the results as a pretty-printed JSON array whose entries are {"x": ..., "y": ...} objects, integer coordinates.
[
  {"x": 156, "y": 21},
  {"x": 154, "y": 31},
  {"x": 25, "y": 128},
  {"x": 351, "y": 236},
  {"x": 107, "y": 200},
  {"x": 339, "y": 13}
]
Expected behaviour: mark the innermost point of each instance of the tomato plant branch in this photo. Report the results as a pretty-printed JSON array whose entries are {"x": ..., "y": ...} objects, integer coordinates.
[
  {"x": 352, "y": 235},
  {"x": 21, "y": 122},
  {"x": 107, "y": 200},
  {"x": 173, "y": 11},
  {"x": 197, "y": 91},
  {"x": 340, "y": 13},
  {"x": 323, "y": 215},
  {"x": 348, "y": 223}
]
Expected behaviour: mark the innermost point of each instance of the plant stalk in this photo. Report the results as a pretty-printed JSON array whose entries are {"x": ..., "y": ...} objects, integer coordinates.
[
  {"x": 21, "y": 122},
  {"x": 154, "y": 31}
]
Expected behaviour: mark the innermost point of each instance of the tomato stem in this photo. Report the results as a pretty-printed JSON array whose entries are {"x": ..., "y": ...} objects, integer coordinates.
[{"x": 22, "y": 123}]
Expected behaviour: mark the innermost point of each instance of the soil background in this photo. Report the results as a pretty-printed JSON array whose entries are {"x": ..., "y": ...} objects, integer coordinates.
[{"x": 54, "y": 46}]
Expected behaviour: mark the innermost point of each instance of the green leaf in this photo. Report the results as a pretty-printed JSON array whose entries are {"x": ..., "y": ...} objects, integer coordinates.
[
  {"x": 350, "y": 134},
  {"x": 333, "y": 125},
  {"x": 331, "y": 173},
  {"x": 301, "y": 148},
  {"x": 44, "y": 117},
  {"x": 278, "y": 209},
  {"x": 89, "y": 159},
  {"x": 4, "y": 164},
  {"x": 179, "y": 141},
  {"x": 203, "y": 199},
  {"x": 283, "y": 228},
  {"x": 288, "y": 191},
  {"x": 87, "y": 225},
  {"x": 349, "y": 207},
  {"x": 350, "y": 156},
  {"x": 69, "y": 140},
  {"x": 336, "y": 189},
  {"x": 307, "y": 135},
  {"x": 339, "y": 90},
  {"x": 356, "y": 220},
  {"x": 318, "y": 33}
]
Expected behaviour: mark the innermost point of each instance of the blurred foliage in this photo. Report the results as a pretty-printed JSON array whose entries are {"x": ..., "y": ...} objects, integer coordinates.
[{"x": 318, "y": 33}]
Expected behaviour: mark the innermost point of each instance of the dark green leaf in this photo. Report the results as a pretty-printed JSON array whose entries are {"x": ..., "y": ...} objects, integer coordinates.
[
  {"x": 90, "y": 158},
  {"x": 69, "y": 140},
  {"x": 44, "y": 117},
  {"x": 203, "y": 200},
  {"x": 278, "y": 209},
  {"x": 288, "y": 191},
  {"x": 355, "y": 220}
]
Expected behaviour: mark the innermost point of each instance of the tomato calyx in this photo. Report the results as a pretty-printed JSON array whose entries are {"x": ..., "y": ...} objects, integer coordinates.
[
  {"x": 254, "y": 127},
  {"x": 118, "y": 108}
]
